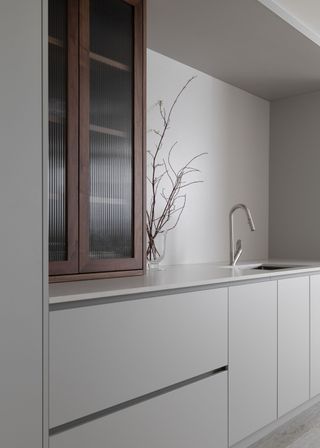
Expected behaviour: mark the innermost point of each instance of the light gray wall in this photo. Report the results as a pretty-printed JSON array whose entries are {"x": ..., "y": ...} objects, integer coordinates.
[
  {"x": 232, "y": 126},
  {"x": 21, "y": 255},
  {"x": 294, "y": 222}
]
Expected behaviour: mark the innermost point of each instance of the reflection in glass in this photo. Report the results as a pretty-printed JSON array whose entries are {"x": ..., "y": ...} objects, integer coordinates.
[
  {"x": 57, "y": 129},
  {"x": 111, "y": 148}
]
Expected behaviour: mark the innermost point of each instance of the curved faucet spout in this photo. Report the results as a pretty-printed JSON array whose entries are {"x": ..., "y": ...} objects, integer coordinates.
[{"x": 233, "y": 255}]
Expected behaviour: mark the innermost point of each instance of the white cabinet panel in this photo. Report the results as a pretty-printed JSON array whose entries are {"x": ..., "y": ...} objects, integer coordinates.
[
  {"x": 315, "y": 335},
  {"x": 252, "y": 358},
  {"x": 23, "y": 302},
  {"x": 293, "y": 345},
  {"x": 194, "y": 416},
  {"x": 107, "y": 354}
]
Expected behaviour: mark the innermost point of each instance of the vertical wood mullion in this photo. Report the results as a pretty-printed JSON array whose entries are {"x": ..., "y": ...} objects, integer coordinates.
[
  {"x": 139, "y": 66},
  {"x": 70, "y": 266}
]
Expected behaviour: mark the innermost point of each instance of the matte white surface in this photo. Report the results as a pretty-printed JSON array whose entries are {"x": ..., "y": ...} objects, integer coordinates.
[
  {"x": 170, "y": 278},
  {"x": 193, "y": 416},
  {"x": 252, "y": 358},
  {"x": 232, "y": 126},
  {"x": 21, "y": 224},
  {"x": 315, "y": 335},
  {"x": 294, "y": 178},
  {"x": 241, "y": 42},
  {"x": 303, "y": 15},
  {"x": 293, "y": 343},
  {"x": 104, "y": 355}
]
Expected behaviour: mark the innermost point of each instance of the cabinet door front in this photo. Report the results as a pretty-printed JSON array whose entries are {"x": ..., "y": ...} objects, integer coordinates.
[
  {"x": 293, "y": 340},
  {"x": 252, "y": 358},
  {"x": 315, "y": 335},
  {"x": 110, "y": 135}
]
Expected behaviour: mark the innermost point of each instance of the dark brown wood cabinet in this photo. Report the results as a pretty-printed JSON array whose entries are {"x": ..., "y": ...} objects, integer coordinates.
[{"x": 96, "y": 138}]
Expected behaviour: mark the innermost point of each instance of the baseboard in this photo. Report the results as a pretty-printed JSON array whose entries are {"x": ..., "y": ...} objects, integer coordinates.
[{"x": 255, "y": 437}]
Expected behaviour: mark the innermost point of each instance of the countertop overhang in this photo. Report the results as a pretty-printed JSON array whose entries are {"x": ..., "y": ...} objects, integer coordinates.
[{"x": 171, "y": 278}]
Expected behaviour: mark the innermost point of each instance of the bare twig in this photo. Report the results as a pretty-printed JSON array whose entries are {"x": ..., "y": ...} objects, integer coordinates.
[{"x": 163, "y": 168}]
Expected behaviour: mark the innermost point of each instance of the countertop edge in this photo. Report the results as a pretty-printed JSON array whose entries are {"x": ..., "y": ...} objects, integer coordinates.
[{"x": 225, "y": 279}]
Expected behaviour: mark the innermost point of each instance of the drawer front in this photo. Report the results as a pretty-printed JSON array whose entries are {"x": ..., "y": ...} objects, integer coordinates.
[
  {"x": 189, "y": 417},
  {"x": 107, "y": 354}
]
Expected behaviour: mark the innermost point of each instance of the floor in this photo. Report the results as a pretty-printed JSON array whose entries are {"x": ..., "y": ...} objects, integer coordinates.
[{"x": 302, "y": 431}]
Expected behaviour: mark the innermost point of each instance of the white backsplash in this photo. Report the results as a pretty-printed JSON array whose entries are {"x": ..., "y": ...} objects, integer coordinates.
[{"x": 233, "y": 127}]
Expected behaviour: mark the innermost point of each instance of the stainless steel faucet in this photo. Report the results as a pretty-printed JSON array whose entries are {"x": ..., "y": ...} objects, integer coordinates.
[{"x": 235, "y": 252}]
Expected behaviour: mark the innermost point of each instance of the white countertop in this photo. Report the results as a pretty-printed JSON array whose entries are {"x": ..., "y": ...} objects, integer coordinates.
[{"x": 170, "y": 278}]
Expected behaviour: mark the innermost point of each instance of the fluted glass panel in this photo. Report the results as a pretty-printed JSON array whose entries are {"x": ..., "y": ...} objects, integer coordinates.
[
  {"x": 57, "y": 129},
  {"x": 111, "y": 115}
]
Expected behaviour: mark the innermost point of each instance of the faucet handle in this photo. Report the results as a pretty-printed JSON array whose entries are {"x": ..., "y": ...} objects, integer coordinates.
[{"x": 238, "y": 252}]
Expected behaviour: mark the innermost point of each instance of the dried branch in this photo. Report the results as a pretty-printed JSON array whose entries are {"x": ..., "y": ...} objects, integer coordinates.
[{"x": 162, "y": 168}]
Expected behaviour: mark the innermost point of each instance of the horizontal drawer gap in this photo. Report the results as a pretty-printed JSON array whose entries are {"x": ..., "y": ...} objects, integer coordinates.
[{"x": 119, "y": 407}]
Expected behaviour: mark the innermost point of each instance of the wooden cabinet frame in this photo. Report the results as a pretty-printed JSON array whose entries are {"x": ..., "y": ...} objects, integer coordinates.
[
  {"x": 79, "y": 265},
  {"x": 70, "y": 265}
]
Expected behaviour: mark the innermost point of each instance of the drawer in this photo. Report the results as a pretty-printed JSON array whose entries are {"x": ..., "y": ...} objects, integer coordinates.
[
  {"x": 189, "y": 417},
  {"x": 107, "y": 354}
]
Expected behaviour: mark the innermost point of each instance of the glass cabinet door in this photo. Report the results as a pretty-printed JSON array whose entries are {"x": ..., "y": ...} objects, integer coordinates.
[
  {"x": 110, "y": 135},
  {"x": 63, "y": 143}
]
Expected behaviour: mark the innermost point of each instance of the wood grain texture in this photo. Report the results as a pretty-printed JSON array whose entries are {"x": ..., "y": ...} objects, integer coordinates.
[
  {"x": 70, "y": 265},
  {"x": 79, "y": 263},
  {"x": 88, "y": 265}
]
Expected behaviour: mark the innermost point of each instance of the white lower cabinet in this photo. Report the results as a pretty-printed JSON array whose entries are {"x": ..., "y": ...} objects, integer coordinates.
[
  {"x": 293, "y": 343},
  {"x": 315, "y": 335},
  {"x": 252, "y": 358},
  {"x": 106, "y": 354},
  {"x": 194, "y": 416}
]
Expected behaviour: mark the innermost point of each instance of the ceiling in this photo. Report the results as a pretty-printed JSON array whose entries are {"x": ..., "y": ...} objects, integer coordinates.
[
  {"x": 303, "y": 14},
  {"x": 241, "y": 42}
]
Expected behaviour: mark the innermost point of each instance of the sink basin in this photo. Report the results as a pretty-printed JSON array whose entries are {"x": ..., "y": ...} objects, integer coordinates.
[
  {"x": 274, "y": 267},
  {"x": 263, "y": 267}
]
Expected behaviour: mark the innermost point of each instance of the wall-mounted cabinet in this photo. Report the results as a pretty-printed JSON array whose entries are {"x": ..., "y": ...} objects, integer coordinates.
[{"x": 96, "y": 127}]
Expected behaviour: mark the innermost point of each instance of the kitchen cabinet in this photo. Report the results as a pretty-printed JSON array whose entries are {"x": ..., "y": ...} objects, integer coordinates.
[
  {"x": 107, "y": 354},
  {"x": 252, "y": 358},
  {"x": 293, "y": 343},
  {"x": 96, "y": 138},
  {"x": 23, "y": 305},
  {"x": 314, "y": 335},
  {"x": 192, "y": 416}
]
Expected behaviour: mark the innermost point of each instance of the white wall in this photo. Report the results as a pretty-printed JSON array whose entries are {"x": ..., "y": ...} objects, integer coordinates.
[
  {"x": 233, "y": 127},
  {"x": 295, "y": 178}
]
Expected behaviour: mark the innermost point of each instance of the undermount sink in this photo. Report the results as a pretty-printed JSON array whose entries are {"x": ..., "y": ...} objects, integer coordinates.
[
  {"x": 264, "y": 267},
  {"x": 274, "y": 267}
]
